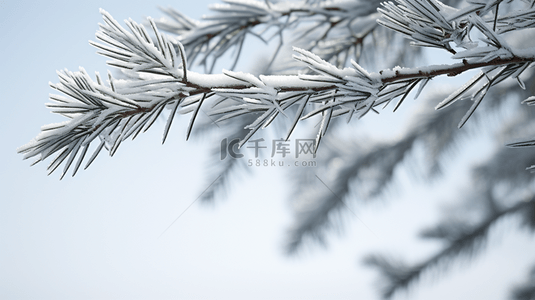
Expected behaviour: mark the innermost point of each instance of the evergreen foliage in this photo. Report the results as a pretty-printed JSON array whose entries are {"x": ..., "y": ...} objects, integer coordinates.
[{"x": 336, "y": 43}]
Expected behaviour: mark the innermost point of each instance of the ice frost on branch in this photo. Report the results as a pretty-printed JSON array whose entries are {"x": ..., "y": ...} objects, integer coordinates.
[
  {"x": 430, "y": 23},
  {"x": 207, "y": 40},
  {"x": 161, "y": 80},
  {"x": 424, "y": 22}
]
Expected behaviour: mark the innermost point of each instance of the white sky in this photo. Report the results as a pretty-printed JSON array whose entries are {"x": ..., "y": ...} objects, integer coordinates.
[{"x": 96, "y": 236}]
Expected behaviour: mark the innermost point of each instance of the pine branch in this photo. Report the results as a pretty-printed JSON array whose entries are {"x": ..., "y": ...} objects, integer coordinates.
[
  {"x": 465, "y": 236},
  {"x": 317, "y": 25},
  {"x": 118, "y": 109},
  {"x": 315, "y": 211},
  {"x": 234, "y": 20},
  {"x": 322, "y": 204},
  {"x": 114, "y": 113},
  {"x": 352, "y": 180},
  {"x": 461, "y": 239}
]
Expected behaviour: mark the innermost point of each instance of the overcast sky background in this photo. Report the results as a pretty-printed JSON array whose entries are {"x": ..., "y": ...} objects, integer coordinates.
[{"x": 97, "y": 236}]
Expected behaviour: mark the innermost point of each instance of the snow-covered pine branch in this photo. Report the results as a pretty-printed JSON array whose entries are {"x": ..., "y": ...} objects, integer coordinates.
[
  {"x": 234, "y": 20},
  {"x": 460, "y": 239},
  {"x": 159, "y": 78},
  {"x": 125, "y": 107}
]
